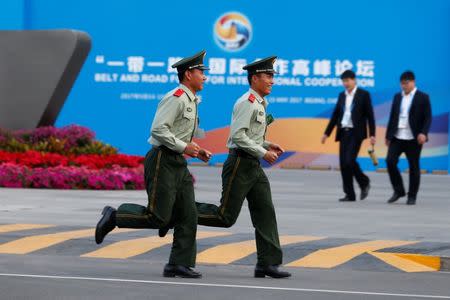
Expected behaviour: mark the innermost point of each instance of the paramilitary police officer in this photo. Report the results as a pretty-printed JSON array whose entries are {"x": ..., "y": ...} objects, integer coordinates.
[
  {"x": 243, "y": 176},
  {"x": 168, "y": 182}
]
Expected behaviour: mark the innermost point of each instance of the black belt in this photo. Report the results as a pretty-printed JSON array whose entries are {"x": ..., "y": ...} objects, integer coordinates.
[
  {"x": 241, "y": 153},
  {"x": 166, "y": 150},
  {"x": 347, "y": 128}
]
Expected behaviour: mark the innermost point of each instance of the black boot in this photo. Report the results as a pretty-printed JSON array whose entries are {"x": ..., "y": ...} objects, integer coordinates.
[
  {"x": 271, "y": 271},
  {"x": 106, "y": 224},
  {"x": 180, "y": 271}
]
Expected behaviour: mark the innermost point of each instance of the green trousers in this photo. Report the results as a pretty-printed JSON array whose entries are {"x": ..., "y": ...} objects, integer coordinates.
[
  {"x": 243, "y": 177},
  {"x": 171, "y": 199}
]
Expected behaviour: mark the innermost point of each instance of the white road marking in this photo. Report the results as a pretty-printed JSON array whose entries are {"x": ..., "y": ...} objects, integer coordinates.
[{"x": 255, "y": 287}]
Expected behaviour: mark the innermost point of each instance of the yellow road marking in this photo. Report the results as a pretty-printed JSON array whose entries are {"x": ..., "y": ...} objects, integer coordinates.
[
  {"x": 228, "y": 253},
  {"x": 19, "y": 227},
  {"x": 36, "y": 242},
  {"x": 433, "y": 262},
  {"x": 332, "y": 257},
  {"x": 130, "y": 248},
  {"x": 410, "y": 262}
]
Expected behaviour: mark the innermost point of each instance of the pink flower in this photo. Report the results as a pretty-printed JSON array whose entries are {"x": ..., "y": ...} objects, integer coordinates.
[{"x": 63, "y": 177}]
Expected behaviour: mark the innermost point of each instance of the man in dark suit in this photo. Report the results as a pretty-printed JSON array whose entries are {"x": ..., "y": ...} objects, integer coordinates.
[
  {"x": 407, "y": 131},
  {"x": 352, "y": 115}
]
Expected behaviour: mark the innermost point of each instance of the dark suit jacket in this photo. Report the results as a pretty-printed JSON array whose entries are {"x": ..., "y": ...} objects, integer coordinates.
[
  {"x": 362, "y": 115},
  {"x": 419, "y": 115}
]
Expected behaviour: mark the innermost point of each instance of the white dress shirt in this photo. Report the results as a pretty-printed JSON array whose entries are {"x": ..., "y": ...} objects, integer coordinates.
[
  {"x": 404, "y": 130},
  {"x": 347, "y": 118}
]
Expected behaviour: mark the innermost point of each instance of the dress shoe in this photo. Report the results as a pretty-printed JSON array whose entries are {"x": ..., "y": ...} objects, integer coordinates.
[
  {"x": 347, "y": 199},
  {"x": 180, "y": 271},
  {"x": 395, "y": 197},
  {"x": 365, "y": 191},
  {"x": 411, "y": 200},
  {"x": 271, "y": 271},
  {"x": 106, "y": 224}
]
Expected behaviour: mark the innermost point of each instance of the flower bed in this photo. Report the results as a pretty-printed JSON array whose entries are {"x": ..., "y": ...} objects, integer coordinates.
[
  {"x": 34, "y": 159},
  {"x": 63, "y": 177},
  {"x": 65, "y": 158}
]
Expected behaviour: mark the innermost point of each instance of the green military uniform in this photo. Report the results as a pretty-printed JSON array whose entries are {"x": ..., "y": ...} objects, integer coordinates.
[
  {"x": 243, "y": 176},
  {"x": 168, "y": 182}
]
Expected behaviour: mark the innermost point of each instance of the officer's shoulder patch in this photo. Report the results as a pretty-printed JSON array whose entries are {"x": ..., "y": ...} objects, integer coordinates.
[
  {"x": 251, "y": 98},
  {"x": 178, "y": 93}
]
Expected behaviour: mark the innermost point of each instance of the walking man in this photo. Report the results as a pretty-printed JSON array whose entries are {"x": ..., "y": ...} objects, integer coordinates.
[
  {"x": 352, "y": 115},
  {"x": 407, "y": 132}
]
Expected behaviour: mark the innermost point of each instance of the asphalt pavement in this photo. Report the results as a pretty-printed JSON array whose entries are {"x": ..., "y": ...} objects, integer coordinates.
[{"x": 361, "y": 250}]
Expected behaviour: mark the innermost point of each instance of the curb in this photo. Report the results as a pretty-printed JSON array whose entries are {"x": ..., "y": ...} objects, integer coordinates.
[
  {"x": 422, "y": 171},
  {"x": 292, "y": 166},
  {"x": 445, "y": 263},
  {"x": 439, "y": 172},
  {"x": 319, "y": 167}
]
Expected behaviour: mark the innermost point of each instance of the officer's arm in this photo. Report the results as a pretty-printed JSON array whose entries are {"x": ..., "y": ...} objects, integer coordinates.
[
  {"x": 165, "y": 116},
  {"x": 266, "y": 144},
  {"x": 241, "y": 123}
]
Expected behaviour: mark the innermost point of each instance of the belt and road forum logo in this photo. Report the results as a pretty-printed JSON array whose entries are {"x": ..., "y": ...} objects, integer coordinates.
[{"x": 232, "y": 31}]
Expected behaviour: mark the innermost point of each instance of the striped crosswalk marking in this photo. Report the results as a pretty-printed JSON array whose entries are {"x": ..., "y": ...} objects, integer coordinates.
[
  {"x": 410, "y": 262},
  {"x": 21, "y": 227},
  {"x": 332, "y": 257},
  {"x": 36, "y": 242},
  {"x": 134, "y": 247},
  {"x": 228, "y": 253}
]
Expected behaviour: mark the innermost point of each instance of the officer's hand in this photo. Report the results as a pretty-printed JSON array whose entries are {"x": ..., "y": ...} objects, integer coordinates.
[
  {"x": 192, "y": 149},
  {"x": 270, "y": 157},
  {"x": 373, "y": 140},
  {"x": 324, "y": 138},
  {"x": 204, "y": 155},
  {"x": 421, "y": 139},
  {"x": 276, "y": 148},
  {"x": 387, "y": 142}
]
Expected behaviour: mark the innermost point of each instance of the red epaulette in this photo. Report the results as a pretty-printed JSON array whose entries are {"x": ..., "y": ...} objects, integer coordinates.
[
  {"x": 251, "y": 98},
  {"x": 178, "y": 93}
]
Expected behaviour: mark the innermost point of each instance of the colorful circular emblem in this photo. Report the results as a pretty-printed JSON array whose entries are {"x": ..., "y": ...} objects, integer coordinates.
[{"x": 232, "y": 31}]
